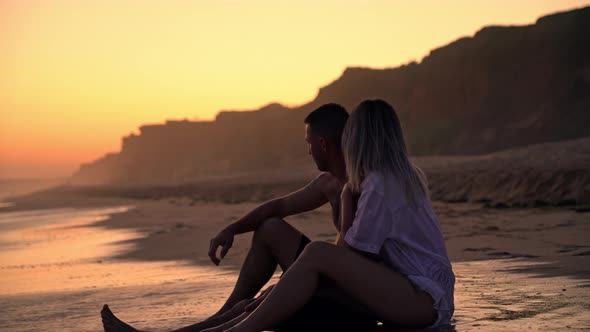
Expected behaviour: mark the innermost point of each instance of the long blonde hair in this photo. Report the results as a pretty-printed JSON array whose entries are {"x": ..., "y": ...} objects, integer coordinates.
[{"x": 373, "y": 142}]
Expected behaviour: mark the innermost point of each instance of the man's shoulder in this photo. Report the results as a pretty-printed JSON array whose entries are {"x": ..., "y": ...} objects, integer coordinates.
[
  {"x": 324, "y": 179},
  {"x": 326, "y": 183}
]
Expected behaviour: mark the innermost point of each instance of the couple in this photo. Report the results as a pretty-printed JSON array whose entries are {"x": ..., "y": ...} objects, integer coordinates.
[{"x": 389, "y": 262}]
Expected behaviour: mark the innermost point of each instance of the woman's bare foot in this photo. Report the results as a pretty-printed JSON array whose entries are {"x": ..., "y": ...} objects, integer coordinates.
[{"x": 111, "y": 323}]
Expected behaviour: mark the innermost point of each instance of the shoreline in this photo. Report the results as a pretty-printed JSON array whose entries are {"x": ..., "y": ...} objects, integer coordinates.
[
  {"x": 553, "y": 236},
  {"x": 172, "y": 226}
]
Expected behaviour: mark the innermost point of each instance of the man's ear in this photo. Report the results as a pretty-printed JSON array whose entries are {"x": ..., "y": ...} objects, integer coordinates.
[{"x": 323, "y": 144}]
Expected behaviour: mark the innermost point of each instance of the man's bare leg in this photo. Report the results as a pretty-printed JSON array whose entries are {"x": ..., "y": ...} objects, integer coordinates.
[
  {"x": 111, "y": 323},
  {"x": 274, "y": 242}
]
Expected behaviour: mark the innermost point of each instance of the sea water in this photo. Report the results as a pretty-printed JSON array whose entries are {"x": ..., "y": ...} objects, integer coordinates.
[{"x": 57, "y": 270}]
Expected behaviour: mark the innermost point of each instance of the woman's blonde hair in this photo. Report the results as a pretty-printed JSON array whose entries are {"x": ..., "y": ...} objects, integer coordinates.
[{"x": 373, "y": 142}]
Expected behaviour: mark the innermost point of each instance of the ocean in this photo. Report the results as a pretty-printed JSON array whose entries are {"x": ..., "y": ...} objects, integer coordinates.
[{"x": 57, "y": 270}]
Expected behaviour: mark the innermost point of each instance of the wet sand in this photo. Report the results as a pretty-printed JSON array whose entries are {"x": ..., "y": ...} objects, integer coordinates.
[
  {"x": 57, "y": 270},
  {"x": 516, "y": 268}
]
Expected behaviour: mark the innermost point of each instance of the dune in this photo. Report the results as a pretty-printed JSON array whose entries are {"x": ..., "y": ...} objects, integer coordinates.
[{"x": 537, "y": 175}]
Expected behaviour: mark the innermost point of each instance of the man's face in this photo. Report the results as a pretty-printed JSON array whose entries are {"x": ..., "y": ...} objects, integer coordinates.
[{"x": 317, "y": 148}]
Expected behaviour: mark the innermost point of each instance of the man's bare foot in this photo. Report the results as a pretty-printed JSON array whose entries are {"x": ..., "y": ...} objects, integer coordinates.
[{"x": 111, "y": 323}]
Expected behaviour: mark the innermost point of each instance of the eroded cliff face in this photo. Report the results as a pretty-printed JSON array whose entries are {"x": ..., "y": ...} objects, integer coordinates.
[{"x": 504, "y": 87}]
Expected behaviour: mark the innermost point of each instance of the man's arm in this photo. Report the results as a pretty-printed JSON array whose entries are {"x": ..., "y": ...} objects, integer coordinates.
[{"x": 305, "y": 199}]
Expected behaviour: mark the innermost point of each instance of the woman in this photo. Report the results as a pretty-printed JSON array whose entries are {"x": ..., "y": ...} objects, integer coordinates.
[{"x": 390, "y": 254}]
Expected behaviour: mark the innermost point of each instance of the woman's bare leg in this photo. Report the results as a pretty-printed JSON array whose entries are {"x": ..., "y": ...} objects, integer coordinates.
[
  {"x": 387, "y": 293},
  {"x": 227, "y": 325},
  {"x": 219, "y": 320}
]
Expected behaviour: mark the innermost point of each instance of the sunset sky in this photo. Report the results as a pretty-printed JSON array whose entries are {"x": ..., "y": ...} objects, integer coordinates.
[{"x": 76, "y": 76}]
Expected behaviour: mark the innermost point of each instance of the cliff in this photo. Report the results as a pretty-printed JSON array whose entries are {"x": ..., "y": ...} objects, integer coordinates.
[{"x": 504, "y": 87}]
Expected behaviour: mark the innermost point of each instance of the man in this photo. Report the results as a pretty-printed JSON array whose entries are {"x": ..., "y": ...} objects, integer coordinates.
[{"x": 275, "y": 242}]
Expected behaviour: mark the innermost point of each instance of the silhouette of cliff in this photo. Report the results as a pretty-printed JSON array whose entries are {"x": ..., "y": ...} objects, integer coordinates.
[{"x": 504, "y": 87}]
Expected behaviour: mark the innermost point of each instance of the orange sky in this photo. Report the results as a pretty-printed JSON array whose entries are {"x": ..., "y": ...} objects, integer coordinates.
[{"x": 76, "y": 75}]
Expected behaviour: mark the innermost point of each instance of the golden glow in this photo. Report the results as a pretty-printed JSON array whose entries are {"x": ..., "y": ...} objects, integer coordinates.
[{"x": 75, "y": 75}]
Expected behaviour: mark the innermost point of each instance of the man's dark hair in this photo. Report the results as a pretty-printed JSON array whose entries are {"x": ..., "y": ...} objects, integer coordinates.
[{"x": 328, "y": 121}]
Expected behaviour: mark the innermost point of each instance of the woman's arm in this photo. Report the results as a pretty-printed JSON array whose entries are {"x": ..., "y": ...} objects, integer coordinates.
[{"x": 348, "y": 204}]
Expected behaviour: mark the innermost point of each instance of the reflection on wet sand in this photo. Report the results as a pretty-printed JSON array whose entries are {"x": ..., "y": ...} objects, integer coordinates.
[
  {"x": 6, "y": 204},
  {"x": 487, "y": 298},
  {"x": 56, "y": 272},
  {"x": 58, "y": 250}
]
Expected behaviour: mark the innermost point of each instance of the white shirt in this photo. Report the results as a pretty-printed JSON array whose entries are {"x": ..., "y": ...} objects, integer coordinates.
[{"x": 408, "y": 239}]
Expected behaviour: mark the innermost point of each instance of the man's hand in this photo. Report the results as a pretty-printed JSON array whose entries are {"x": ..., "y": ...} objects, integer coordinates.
[{"x": 225, "y": 240}]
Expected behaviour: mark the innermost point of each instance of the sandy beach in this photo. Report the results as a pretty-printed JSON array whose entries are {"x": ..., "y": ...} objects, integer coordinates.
[
  {"x": 515, "y": 224},
  {"x": 132, "y": 133},
  {"x": 517, "y": 267}
]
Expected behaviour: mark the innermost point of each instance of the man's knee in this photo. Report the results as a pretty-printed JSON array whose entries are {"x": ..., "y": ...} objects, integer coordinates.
[{"x": 268, "y": 228}]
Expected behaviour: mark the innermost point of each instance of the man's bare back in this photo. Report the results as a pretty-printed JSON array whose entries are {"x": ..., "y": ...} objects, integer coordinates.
[{"x": 331, "y": 188}]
